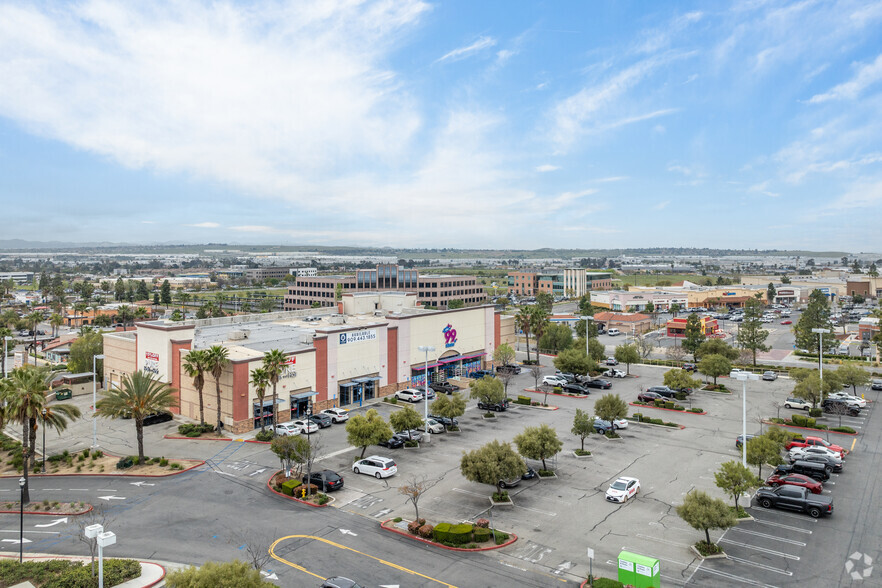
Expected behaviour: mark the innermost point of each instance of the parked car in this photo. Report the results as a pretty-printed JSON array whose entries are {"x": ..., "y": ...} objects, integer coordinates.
[
  {"x": 409, "y": 394},
  {"x": 739, "y": 440},
  {"x": 410, "y": 435},
  {"x": 322, "y": 420},
  {"x": 508, "y": 369},
  {"x": 649, "y": 397},
  {"x": 288, "y": 428},
  {"x": 796, "y": 499},
  {"x": 529, "y": 474},
  {"x": 601, "y": 426},
  {"x": 443, "y": 387},
  {"x": 429, "y": 393},
  {"x": 613, "y": 332},
  {"x": 478, "y": 374},
  {"x": 566, "y": 376},
  {"x": 338, "y": 415},
  {"x": 496, "y": 406},
  {"x": 509, "y": 483},
  {"x": 340, "y": 582},
  {"x": 815, "y": 450},
  {"x": 735, "y": 371},
  {"x": 876, "y": 385},
  {"x": 447, "y": 422},
  {"x": 840, "y": 406},
  {"x": 851, "y": 399},
  {"x": 787, "y": 322},
  {"x": 434, "y": 426},
  {"x": 376, "y": 466},
  {"x": 797, "y": 403},
  {"x": 816, "y": 471},
  {"x": 554, "y": 380},
  {"x": 613, "y": 373},
  {"x": 668, "y": 393},
  {"x": 808, "y": 441},
  {"x": 393, "y": 443},
  {"x": 770, "y": 376},
  {"x": 623, "y": 489},
  {"x": 810, "y": 484},
  {"x": 599, "y": 383},
  {"x": 611, "y": 361},
  {"x": 326, "y": 480},
  {"x": 689, "y": 367},
  {"x": 576, "y": 389},
  {"x": 157, "y": 417},
  {"x": 616, "y": 423},
  {"x": 833, "y": 464}
]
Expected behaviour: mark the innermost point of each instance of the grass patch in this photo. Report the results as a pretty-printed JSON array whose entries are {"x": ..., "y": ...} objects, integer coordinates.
[
  {"x": 61, "y": 573},
  {"x": 582, "y": 452},
  {"x": 706, "y": 549}
]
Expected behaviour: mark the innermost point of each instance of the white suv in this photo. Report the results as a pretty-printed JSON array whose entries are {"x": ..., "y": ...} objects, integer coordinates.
[
  {"x": 554, "y": 380},
  {"x": 338, "y": 415},
  {"x": 409, "y": 394},
  {"x": 376, "y": 466},
  {"x": 288, "y": 428},
  {"x": 797, "y": 403}
]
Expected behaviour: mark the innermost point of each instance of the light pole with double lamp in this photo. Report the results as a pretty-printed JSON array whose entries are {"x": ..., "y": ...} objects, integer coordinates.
[
  {"x": 95, "y": 401},
  {"x": 426, "y": 349},
  {"x": 820, "y": 333},
  {"x": 743, "y": 377}
]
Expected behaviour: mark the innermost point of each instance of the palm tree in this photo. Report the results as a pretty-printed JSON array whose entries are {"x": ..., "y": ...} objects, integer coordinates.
[
  {"x": 137, "y": 396},
  {"x": 273, "y": 360},
  {"x": 56, "y": 416},
  {"x": 140, "y": 314},
  {"x": 524, "y": 322},
  {"x": 538, "y": 324},
  {"x": 79, "y": 309},
  {"x": 56, "y": 320},
  {"x": 260, "y": 380},
  {"x": 33, "y": 320},
  {"x": 26, "y": 397},
  {"x": 195, "y": 365},
  {"x": 124, "y": 314},
  {"x": 215, "y": 361}
]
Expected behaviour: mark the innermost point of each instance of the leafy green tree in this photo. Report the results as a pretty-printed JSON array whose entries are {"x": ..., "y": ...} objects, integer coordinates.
[
  {"x": 545, "y": 301},
  {"x": 852, "y": 375},
  {"x": 693, "y": 337},
  {"x": 574, "y": 361},
  {"x": 627, "y": 354},
  {"x": 771, "y": 292},
  {"x": 504, "y": 354},
  {"x": 228, "y": 574},
  {"x": 538, "y": 443},
  {"x": 873, "y": 271},
  {"x": 449, "y": 406},
  {"x": 82, "y": 350},
  {"x": 119, "y": 289},
  {"x": 675, "y": 308},
  {"x": 195, "y": 365},
  {"x": 455, "y": 303},
  {"x": 763, "y": 450},
  {"x": 273, "y": 360},
  {"x": 292, "y": 450},
  {"x": 649, "y": 308},
  {"x": 367, "y": 429},
  {"x": 556, "y": 338},
  {"x": 718, "y": 347},
  {"x": 678, "y": 379},
  {"x": 714, "y": 365},
  {"x": 752, "y": 336},
  {"x": 405, "y": 420},
  {"x": 141, "y": 291},
  {"x": 703, "y": 513},
  {"x": 102, "y": 320},
  {"x": 583, "y": 425},
  {"x": 585, "y": 306},
  {"x": 124, "y": 314},
  {"x": 260, "y": 381},
  {"x": 488, "y": 390},
  {"x": 596, "y": 350},
  {"x": 610, "y": 407},
  {"x": 491, "y": 464},
  {"x": 785, "y": 279},
  {"x": 781, "y": 436},
  {"x": 156, "y": 299},
  {"x": 815, "y": 316},
  {"x": 735, "y": 479},
  {"x": 809, "y": 388},
  {"x": 165, "y": 296},
  {"x": 217, "y": 359},
  {"x": 137, "y": 396}
]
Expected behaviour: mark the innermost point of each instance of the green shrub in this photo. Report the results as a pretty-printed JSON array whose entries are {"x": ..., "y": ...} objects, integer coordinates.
[
  {"x": 397, "y": 520},
  {"x": 810, "y": 423},
  {"x": 822, "y": 427},
  {"x": 678, "y": 407},
  {"x": 680, "y": 396},
  {"x": 695, "y": 409},
  {"x": 67, "y": 574},
  {"x": 501, "y": 497},
  {"x": 482, "y": 535},
  {"x": 843, "y": 430},
  {"x": 440, "y": 531},
  {"x": 659, "y": 403},
  {"x": 670, "y": 424},
  {"x": 124, "y": 463},
  {"x": 85, "y": 453},
  {"x": 669, "y": 404},
  {"x": 458, "y": 534},
  {"x": 289, "y": 486},
  {"x": 656, "y": 421},
  {"x": 798, "y": 420},
  {"x": 322, "y": 498},
  {"x": 777, "y": 420},
  {"x": 501, "y": 537},
  {"x": 489, "y": 415},
  {"x": 582, "y": 452},
  {"x": 266, "y": 435},
  {"x": 394, "y": 400},
  {"x": 176, "y": 466},
  {"x": 163, "y": 462},
  {"x": 638, "y": 416},
  {"x": 815, "y": 412},
  {"x": 606, "y": 583},
  {"x": 525, "y": 400},
  {"x": 81, "y": 458}
]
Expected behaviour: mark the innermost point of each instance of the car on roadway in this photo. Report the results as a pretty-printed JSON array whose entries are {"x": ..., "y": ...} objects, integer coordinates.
[
  {"x": 738, "y": 440},
  {"x": 338, "y": 415},
  {"x": 326, "y": 480},
  {"x": 613, "y": 373},
  {"x": 797, "y": 404},
  {"x": 623, "y": 489},
  {"x": 393, "y": 442},
  {"x": 376, "y": 466},
  {"x": 340, "y": 582},
  {"x": 770, "y": 375},
  {"x": 285, "y": 429},
  {"x": 777, "y": 479},
  {"x": 787, "y": 322},
  {"x": 650, "y": 397},
  {"x": 443, "y": 387},
  {"x": 409, "y": 394},
  {"x": 599, "y": 383},
  {"x": 434, "y": 426},
  {"x": 554, "y": 380},
  {"x": 322, "y": 420},
  {"x": 795, "y": 498}
]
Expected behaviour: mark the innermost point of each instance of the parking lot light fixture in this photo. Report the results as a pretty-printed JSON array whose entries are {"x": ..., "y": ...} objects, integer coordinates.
[
  {"x": 426, "y": 349},
  {"x": 820, "y": 333},
  {"x": 21, "y": 487},
  {"x": 94, "y": 401},
  {"x": 743, "y": 377},
  {"x": 5, "y": 358}
]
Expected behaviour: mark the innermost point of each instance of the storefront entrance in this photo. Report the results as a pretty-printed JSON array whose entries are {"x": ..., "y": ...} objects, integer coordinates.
[
  {"x": 263, "y": 415},
  {"x": 358, "y": 390},
  {"x": 300, "y": 403}
]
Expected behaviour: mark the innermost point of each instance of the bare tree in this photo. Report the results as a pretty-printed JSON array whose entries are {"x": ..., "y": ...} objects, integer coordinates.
[
  {"x": 777, "y": 406},
  {"x": 97, "y": 516},
  {"x": 838, "y": 409},
  {"x": 255, "y": 543},
  {"x": 506, "y": 377},
  {"x": 676, "y": 353},
  {"x": 644, "y": 346},
  {"x": 536, "y": 372},
  {"x": 414, "y": 488}
]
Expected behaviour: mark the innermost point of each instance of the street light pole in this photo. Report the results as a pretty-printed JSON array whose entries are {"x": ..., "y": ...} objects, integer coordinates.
[
  {"x": 5, "y": 358},
  {"x": 94, "y": 402},
  {"x": 820, "y": 333},
  {"x": 744, "y": 376},
  {"x": 21, "y": 486},
  {"x": 426, "y": 349}
]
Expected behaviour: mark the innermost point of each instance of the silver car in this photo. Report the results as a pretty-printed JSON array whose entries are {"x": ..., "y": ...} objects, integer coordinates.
[{"x": 770, "y": 376}]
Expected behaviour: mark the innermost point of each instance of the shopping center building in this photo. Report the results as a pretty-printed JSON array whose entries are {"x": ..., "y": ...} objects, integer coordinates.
[{"x": 366, "y": 347}]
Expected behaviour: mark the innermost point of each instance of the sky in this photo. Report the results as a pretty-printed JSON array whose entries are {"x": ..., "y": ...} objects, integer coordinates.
[{"x": 461, "y": 124}]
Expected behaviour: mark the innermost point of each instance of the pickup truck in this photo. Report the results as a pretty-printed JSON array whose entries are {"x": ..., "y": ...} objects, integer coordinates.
[
  {"x": 795, "y": 498},
  {"x": 815, "y": 441}
]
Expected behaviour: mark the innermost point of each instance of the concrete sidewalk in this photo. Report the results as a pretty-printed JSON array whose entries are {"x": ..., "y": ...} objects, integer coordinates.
[{"x": 152, "y": 571}]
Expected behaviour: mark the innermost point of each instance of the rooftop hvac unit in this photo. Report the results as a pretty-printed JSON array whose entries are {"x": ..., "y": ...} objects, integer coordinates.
[
  {"x": 379, "y": 313},
  {"x": 337, "y": 319},
  {"x": 306, "y": 338},
  {"x": 239, "y": 335}
]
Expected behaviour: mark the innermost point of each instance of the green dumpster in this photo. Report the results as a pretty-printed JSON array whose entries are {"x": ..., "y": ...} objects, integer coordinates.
[
  {"x": 639, "y": 570},
  {"x": 63, "y": 394}
]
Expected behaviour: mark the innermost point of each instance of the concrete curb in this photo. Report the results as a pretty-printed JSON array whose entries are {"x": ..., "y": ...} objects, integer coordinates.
[
  {"x": 511, "y": 539},
  {"x": 703, "y": 557},
  {"x": 113, "y": 473},
  {"x": 57, "y": 514},
  {"x": 668, "y": 409},
  {"x": 681, "y": 427},
  {"x": 765, "y": 422}
]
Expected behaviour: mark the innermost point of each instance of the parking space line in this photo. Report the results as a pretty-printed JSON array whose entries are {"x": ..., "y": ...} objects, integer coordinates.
[
  {"x": 545, "y": 512},
  {"x": 735, "y": 578},
  {"x": 761, "y": 549},
  {"x": 665, "y": 541},
  {"x": 793, "y": 516},
  {"x": 460, "y": 490},
  {"x": 782, "y": 525},
  {"x": 759, "y": 565},
  {"x": 775, "y": 537}
]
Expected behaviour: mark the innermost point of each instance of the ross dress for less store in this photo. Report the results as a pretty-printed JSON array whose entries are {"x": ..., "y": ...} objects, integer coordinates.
[{"x": 366, "y": 348}]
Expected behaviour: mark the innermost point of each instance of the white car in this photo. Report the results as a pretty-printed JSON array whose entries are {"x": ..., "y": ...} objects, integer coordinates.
[
  {"x": 623, "y": 489},
  {"x": 338, "y": 415},
  {"x": 735, "y": 371},
  {"x": 801, "y": 452},
  {"x": 554, "y": 380},
  {"x": 617, "y": 423},
  {"x": 614, "y": 373},
  {"x": 305, "y": 427},
  {"x": 850, "y": 398},
  {"x": 409, "y": 394},
  {"x": 797, "y": 403},
  {"x": 288, "y": 428},
  {"x": 376, "y": 466},
  {"x": 434, "y": 426}
]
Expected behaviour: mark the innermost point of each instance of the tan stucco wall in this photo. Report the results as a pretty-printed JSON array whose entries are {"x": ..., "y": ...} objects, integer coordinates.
[{"x": 119, "y": 357}]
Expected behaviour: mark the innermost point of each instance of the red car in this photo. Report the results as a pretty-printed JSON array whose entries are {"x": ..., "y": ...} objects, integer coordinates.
[
  {"x": 650, "y": 397},
  {"x": 816, "y": 441},
  {"x": 795, "y": 480},
  {"x": 786, "y": 322}
]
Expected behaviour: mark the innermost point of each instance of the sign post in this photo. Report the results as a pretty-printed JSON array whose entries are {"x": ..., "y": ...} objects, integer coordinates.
[{"x": 591, "y": 565}]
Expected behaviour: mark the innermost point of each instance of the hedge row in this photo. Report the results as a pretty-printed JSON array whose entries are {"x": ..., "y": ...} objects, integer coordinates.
[
  {"x": 59, "y": 573},
  {"x": 456, "y": 534}
]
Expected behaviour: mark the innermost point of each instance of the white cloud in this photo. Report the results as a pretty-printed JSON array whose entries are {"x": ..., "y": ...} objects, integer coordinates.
[
  {"x": 763, "y": 188},
  {"x": 463, "y": 52},
  {"x": 148, "y": 222},
  {"x": 568, "y": 198},
  {"x": 205, "y": 225},
  {"x": 547, "y": 168},
  {"x": 611, "y": 179},
  {"x": 504, "y": 55},
  {"x": 862, "y": 195},
  {"x": 866, "y": 75},
  {"x": 661, "y": 205}
]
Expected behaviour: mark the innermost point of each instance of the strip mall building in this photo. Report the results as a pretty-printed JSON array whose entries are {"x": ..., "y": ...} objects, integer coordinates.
[{"x": 366, "y": 348}]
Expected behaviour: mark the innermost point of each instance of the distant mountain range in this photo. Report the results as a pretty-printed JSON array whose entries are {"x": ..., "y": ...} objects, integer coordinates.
[{"x": 22, "y": 245}]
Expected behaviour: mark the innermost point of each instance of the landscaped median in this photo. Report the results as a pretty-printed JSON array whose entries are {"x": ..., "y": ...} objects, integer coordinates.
[
  {"x": 290, "y": 487},
  {"x": 534, "y": 391},
  {"x": 640, "y": 419},
  {"x": 46, "y": 508},
  {"x": 62, "y": 573},
  {"x": 809, "y": 424},
  {"x": 669, "y": 406},
  {"x": 455, "y": 537}
]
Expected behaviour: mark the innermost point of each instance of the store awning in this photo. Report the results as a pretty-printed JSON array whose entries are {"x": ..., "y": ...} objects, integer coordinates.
[
  {"x": 461, "y": 357},
  {"x": 422, "y": 366},
  {"x": 360, "y": 380},
  {"x": 270, "y": 402},
  {"x": 301, "y": 395},
  {"x": 348, "y": 384},
  {"x": 373, "y": 379}
]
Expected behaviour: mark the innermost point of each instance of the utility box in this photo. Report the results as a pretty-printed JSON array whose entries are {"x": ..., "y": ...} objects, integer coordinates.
[{"x": 639, "y": 570}]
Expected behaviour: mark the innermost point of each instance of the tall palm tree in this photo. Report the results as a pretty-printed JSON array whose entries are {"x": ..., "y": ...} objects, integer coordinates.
[
  {"x": 6, "y": 389},
  {"x": 79, "y": 310},
  {"x": 260, "y": 380},
  {"x": 56, "y": 416},
  {"x": 216, "y": 361},
  {"x": 124, "y": 314},
  {"x": 56, "y": 320},
  {"x": 140, "y": 314},
  {"x": 33, "y": 320},
  {"x": 524, "y": 322},
  {"x": 538, "y": 324},
  {"x": 26, "y": 400},
  {"x": 273, "y": 360},
  {"x": 137, "y": 396},
  {"x": 195, "y": 365}
]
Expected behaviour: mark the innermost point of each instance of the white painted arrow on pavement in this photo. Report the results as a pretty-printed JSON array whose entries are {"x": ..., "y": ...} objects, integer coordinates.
[
  {"x": 16, "y": 541},
  {"x": 53, "y": 523},
  {"x": 139, "y": 484},
  {"x": 269, "y": 576},
  {"x": 348, "y": 532},
  {"x": 388, "y": 585},
  {"x": 257, "y": 472},
  {"x": 109, "y": 498}
]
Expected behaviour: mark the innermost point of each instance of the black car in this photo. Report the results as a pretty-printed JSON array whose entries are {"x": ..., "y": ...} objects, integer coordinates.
[
  {"x": 828, "y": 462},
  {"x": 393, "y": 443},
  {"x": 566, "y": 376},
  {"x": 840, "y": 406},
  {"x": 498, "y": 407},
  {"x": 322, "y": 420},
  {"x": 598, "y": 383},
  {"x": 795, "y": 498},
  {"x": 443, "y": 387},
  {"x": 689, "y": 367},
  {"x": 739, "y": 441},
  {"x": 478, "y": 374},
  {"x": 816, "y": 471},
  {"x": 663, "y": 391},
  {"x": 340, "y": 582},
  {"x": 575, "y": 389},
  {"x": 157, "y": 417},
  {"x": 326, "y": 480},
  {"x": 447, "y": 422},
  {"x": 508, "y": 369}
]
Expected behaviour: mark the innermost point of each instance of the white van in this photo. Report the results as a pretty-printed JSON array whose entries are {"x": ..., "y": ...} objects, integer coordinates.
[
  {"x": 843, "y": 350},
  {"x": 613, "y": 332}
]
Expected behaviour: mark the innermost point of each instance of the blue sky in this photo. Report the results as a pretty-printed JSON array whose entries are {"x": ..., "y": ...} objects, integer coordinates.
[{"x": 447, "y": 124}]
